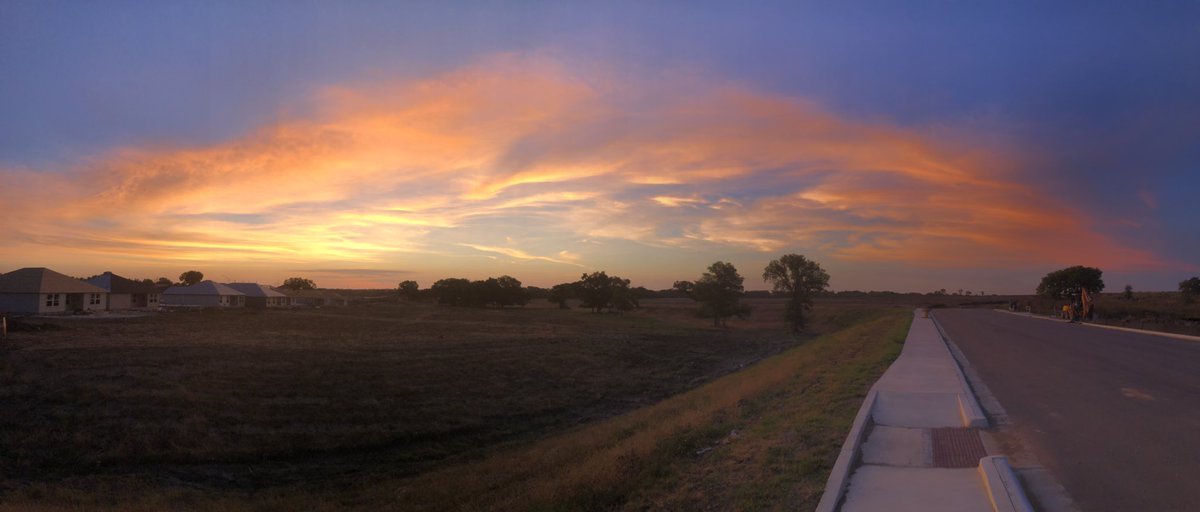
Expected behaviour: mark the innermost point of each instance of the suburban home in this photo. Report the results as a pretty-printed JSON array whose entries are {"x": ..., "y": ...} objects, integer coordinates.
[
  {"x": 315, "y": 298},
  {"x": 41, "y": 291},
  {"x": 126, "y": 293},
  {"x": 260, "y": 296},
  {"x": 204, "y": 293}
]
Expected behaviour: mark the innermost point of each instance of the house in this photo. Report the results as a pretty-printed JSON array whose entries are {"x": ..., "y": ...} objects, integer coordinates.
[
  {"x": 126, "y": 293},
  {"x": 41, "y": 291},
  {"x": 204, "y": 293},
  {"x": 260, "y": 296},
  {"x": 315, "y": 298}
]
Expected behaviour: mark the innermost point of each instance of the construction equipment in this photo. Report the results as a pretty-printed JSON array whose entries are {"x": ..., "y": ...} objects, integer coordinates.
[{"x": 1080, "y": 309}]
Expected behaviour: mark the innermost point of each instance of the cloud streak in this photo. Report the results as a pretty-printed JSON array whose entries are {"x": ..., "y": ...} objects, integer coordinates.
[{"x": 526, "y": 148}]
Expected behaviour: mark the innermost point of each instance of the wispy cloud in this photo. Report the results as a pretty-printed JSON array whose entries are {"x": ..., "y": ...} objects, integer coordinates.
[
  {"x": 522, "y": 255},
  {"x": 369, "y": 272},
  {"x": 528, "y": 148}
]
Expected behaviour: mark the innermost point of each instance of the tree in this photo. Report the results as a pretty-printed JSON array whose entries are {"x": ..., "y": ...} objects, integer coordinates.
[
  {"x": 536, "y": 292},
  {"x": 191, "y": 277},
  {"x": 147, "y": 281},
  {"x": 484, "y": 292},
  {"x": 162, "y": 281},
  {"x": 1068, "y": 282},
  {"x": 508, "y": 292},
  {"x": 598, "y": 291},
  {"x": 623, "y": 298},
  {"x": 1128, "y": 293},
  {"x": 299, "y": 283},
  {"x": 452, "y": 291},
  {"x": 799, "y": 278},
  {"x": 560, "y": 293},
  {"x": 410, "y": 290},
  {"x": 1190, "y": 288},
  {"x": 718, "y": 291}
]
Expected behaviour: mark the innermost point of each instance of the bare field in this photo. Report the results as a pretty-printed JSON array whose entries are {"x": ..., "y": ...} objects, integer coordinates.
[{"x": 244, "y": 400}]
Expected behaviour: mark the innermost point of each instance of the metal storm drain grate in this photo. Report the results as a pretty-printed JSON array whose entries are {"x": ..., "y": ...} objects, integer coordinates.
[{"x": 957, "y": 447}]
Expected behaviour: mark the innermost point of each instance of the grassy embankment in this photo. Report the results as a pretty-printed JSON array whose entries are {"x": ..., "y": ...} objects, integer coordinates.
[{"x": 760, "y": 439}]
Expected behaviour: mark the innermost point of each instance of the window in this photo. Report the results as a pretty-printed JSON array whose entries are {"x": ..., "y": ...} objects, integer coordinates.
[
  {"x": 152, "y": 298},
  {"x": 52, "y": 299},
  {"x": 94, "y": 299}
]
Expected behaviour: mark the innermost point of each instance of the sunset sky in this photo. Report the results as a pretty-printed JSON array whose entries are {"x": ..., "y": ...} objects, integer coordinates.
[{"x": 906, "y": 146}]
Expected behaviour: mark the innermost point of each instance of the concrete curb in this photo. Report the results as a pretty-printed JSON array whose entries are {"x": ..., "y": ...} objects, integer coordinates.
[
  {"x": 839, "y": 477},
  {"x": 1003, "y": 488},
  {"x": 968, "y": 405},
  {"x": 1185, "y": 337}
]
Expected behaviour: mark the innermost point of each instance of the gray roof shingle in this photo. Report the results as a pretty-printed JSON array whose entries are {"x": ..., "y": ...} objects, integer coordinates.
[
  {"x": 255, "y": 290},
  {"x": 202, "y": 288},
  {"x": 117, "y": 284},
  {"x": 44, "y": 280}
]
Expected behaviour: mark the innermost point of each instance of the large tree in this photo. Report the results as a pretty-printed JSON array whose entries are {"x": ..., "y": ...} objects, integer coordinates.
[
  {"x": 410, "y": 290},
  {"x": 1067, "y": 282},
  {"x": 560, "y": 293},
  {"x": 508, "y": 292},
  {"x": 191, "y": 277},
  {"x": 719, "y": 292},
  {"x": 601, "y": 291},
  {"x": 1190, "y": 289},
  {"x": 499, "y": 291},
  {"x": 299, "y": 283},
  {"x": 798, "y": 278},
  {"x": 452, "y": 291}
]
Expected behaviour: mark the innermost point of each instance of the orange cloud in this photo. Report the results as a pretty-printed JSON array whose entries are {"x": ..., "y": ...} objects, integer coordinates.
[{"x": 528, "y": 148}]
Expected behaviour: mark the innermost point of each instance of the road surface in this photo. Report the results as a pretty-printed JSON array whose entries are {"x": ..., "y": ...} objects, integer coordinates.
[{"x": 1114, "y": 416}]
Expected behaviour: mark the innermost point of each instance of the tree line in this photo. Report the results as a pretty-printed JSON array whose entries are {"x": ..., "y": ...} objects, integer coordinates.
[
  {"x": 718, "y": 291},
  {"x": 1068, "y": 283},
  {"x": 193, "y": 277}
]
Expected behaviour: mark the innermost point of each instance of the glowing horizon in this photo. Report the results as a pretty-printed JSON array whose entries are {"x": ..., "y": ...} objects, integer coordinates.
[{"x": 543, "y": 164}]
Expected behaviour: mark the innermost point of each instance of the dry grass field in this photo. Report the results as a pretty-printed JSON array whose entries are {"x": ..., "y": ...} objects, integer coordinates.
[
  {"x": 240, "y": 404},
  {"x": 406, "y": 406}
]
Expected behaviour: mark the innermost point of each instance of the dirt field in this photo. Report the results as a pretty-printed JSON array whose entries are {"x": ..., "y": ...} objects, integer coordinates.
[{"x": 243, "y": 400}]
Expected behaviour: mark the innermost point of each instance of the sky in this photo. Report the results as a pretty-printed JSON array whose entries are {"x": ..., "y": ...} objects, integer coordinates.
[{"x": 905, "y": 146}]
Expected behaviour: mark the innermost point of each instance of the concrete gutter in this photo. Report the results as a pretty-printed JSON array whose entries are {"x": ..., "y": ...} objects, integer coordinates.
[
  {"x": 968, "y": 405},
  {"x": 1184, "y": 337},
  {"x": 887, "y": 461},
  {"x": 839, "y": 477},
  {"x": 1003, "y": 488}
]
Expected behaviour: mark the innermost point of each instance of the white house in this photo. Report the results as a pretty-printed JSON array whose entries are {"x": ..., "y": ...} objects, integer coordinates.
[
  {"x": 126, "y": 293},
  {"x": 40, "y": 291},
  {"x": 204, "y": 293},
  {"x": 261, "y": 296}
]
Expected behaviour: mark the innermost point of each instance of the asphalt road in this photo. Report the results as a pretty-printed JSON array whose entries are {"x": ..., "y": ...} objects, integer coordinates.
[{"x": 1114, "y": 416}]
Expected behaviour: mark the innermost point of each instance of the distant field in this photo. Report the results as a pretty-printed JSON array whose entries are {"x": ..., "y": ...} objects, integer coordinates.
[
  {"x": 1155, "y": 311},
  {"x": 242, "y": 400}
]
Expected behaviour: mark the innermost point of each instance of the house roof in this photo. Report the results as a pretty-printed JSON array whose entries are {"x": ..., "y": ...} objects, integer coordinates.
[
  {"x": 202, "y": 288},
  {"x": 117, "y": 284},
  {"x": 255, "y": 290},
  {"x": 327, "y": 294},
  {"x": 44, "y": 280}
]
